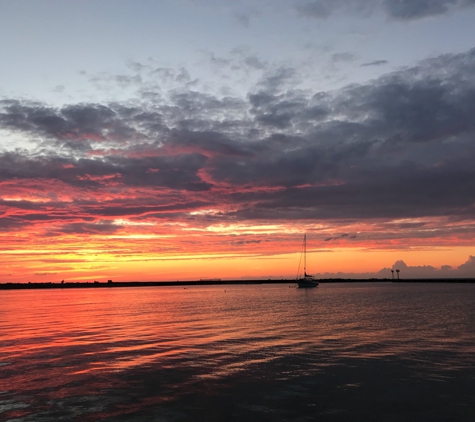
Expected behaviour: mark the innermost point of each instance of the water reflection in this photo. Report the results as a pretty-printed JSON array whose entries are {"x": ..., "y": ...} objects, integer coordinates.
[{"x": 113, "y": 353}]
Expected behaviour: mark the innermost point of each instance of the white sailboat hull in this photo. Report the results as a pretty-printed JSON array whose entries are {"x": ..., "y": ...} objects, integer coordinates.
[{"x": 307, "y": 283}]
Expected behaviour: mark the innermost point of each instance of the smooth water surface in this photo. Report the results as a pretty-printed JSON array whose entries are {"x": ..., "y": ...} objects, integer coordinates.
[{"x": 340, "y": 352}]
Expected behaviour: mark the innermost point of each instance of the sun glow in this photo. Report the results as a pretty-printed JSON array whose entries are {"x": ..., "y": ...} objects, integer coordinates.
[
  {"x": 243, "y": 229},
  {"x": 124, "y": 222}
]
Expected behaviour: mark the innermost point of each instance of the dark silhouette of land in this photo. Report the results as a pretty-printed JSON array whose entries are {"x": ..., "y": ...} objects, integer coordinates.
[{"x": 210, "y": 282}]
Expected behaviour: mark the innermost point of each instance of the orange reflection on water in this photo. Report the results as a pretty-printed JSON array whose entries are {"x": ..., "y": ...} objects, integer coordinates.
[
  {"x": 53, "y": 340},
  {"x": 104, "y": 353}
]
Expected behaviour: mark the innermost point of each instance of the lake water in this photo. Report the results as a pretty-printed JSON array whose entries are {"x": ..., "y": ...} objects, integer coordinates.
[{"x": 340, "y": 352}]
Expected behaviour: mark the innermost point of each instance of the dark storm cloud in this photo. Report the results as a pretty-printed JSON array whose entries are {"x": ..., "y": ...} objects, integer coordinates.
[
  {"x": 71, "y": 126},
  {"x": 394, "y": 9},
  {"x": 283, "y": 110},
  {"x": 174, "y": 172},
  {"x": 418, "y": 105},
  {"x": 412, "y": 194},
  {"x": 401, "y": 146},
  {"x": 416, "y": 9},
  {"x": 277, "y": 79},
  {"x": 11, "y": 224},
  {"x": 375, "y": 63},
  {"x": 207, "y": 143},
  {"x": 319, "y": 9},
  {"x": 101, "y": 227}
]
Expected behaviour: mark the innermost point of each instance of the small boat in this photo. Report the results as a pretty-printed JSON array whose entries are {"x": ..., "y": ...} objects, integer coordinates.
[{"x": 307, "y": 280}]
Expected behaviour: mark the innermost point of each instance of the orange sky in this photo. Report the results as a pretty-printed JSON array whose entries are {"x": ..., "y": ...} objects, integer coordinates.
[
  {"x": 187, "y": 181},
  {"x": 172, "y": 251}
]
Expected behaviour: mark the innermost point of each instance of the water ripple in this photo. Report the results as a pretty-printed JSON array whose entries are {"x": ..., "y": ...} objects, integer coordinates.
[{"x": 254, "y": 352}]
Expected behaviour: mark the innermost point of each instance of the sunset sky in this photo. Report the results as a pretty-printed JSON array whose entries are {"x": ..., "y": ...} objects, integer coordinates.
[{"x": 187, "y": 139}]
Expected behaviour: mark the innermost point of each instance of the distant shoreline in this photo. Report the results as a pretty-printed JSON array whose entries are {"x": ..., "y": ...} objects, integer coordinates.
[{"x": 96, "y": 284}]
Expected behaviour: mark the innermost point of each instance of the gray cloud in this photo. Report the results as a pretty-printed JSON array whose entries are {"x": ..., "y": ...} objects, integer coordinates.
[
  {"x": 345, "y": 57},
  {"x": 245, "y": 17},
  {"x": 101, "y": 227},
  {"x": 466, "y": 270},
  {"x": 416, "y": 9},
  {"x": 322, "y": 8},
  {"x": 277, "y": 79},
  {"x": 81, "y": 122},
  {"x": 394, "y": 9},
  {"x": 375, "y": 63},
  {"x": 401, "y": 146}
]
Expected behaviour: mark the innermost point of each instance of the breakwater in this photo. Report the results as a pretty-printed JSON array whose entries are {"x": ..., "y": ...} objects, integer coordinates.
[{"x": 211, "y": 282}]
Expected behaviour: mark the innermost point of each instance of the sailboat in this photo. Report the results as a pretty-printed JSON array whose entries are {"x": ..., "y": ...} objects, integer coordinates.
[{"x": 307, "y": 280}]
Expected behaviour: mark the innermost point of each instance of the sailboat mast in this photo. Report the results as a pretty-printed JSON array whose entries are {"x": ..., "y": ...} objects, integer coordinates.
[{"x": 305, "y": 254}]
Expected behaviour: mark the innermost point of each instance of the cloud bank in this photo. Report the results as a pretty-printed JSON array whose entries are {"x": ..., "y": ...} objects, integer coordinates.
[
  {"x": 463, "y": 271},
  {"x": 378, "y": 165}
]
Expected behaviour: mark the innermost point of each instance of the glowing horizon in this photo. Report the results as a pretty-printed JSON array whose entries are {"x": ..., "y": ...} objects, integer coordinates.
[{"x": 202, "y": 140}]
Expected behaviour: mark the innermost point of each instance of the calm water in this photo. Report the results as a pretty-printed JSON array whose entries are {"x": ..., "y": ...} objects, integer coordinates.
[{"x": 340, "y": 352}]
